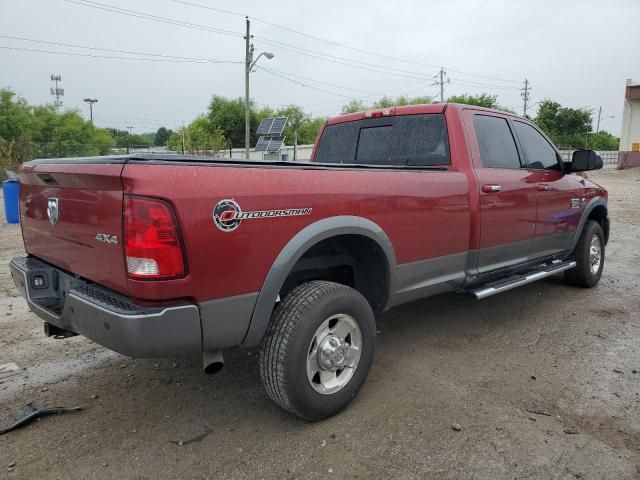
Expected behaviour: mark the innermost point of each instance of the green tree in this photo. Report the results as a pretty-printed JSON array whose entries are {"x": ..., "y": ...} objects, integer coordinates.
[
  {"x": 354, "y": 106},
  {"x": 15, "y": 116},
  {"x": 148, "y": 138},
  {"x": 162, "y": 136},
  {"x": 603, "y": 141},
  {"x": 567, "y": 127},
  {"x": 124, "y": 139},
  {"x": 384, "y": 102},
  {"x": 309, "y": 130},
  {"x": 295, "y": 117},
  {"x": 199, "y": 138},
  {"x": 402, "y": 100},
  {"x": 15, "y": 131},
  {"x": 482, "y": 100},
  {"x": 39, "y": 131},
  {"x": 228, "y": 115}
]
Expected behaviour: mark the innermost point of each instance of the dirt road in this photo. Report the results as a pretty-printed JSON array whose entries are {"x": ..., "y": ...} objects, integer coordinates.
[{"x": 573, "y": 353}]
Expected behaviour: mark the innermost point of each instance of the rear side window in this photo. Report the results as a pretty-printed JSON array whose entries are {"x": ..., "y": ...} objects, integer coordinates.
[
  {"x": 496, "y": 143},
  {"x": 406, "y": 140},
  {"x": 538, "y": 153}
]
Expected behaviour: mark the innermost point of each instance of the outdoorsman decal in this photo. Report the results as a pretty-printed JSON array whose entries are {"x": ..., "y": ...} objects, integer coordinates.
[{"x": 227, "y": 214}]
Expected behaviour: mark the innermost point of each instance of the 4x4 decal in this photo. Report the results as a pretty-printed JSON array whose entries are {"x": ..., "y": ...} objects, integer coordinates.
[{"x": 227, "y": 214}]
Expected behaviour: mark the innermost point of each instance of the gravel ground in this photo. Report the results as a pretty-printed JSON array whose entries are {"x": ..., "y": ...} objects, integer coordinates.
[{"x": 573, "y": 353}]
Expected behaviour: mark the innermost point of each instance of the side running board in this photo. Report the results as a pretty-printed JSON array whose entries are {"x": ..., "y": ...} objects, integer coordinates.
[{"x": 514, "y": 281}]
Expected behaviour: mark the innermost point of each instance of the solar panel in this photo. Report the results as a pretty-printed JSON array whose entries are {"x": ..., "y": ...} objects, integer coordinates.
[
  {"x": 277, "y": 127},
  {"x": 263, "y": 144},
  {"x": 275, "y": 144},
  {"x": 265, "y": 125}
]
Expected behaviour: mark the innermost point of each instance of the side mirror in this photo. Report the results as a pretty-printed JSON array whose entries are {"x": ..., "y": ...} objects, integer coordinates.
[{"x": 583, "y": 160}]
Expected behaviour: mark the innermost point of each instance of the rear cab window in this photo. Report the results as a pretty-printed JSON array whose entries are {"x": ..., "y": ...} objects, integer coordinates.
[{"x": 403, "y": 140}]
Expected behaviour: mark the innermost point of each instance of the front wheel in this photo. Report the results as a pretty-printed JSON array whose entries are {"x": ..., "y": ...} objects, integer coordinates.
[
  {"x": 318, "y": 349},
  {"x": 589, "y": 257}
]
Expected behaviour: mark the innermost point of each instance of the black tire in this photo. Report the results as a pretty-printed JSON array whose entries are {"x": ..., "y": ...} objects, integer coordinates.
[
  {"x": 286, "y": 345},
  {"x": 581, "y": 275}
]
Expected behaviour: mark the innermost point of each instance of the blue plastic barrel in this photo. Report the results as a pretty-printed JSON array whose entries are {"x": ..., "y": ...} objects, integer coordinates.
[{"x": 11, "y": 190}]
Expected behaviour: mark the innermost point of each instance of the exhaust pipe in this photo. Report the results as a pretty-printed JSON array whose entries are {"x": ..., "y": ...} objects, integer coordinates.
[
  {"x": 212, "y": 361},
  {"x": 50, "y": 330}
]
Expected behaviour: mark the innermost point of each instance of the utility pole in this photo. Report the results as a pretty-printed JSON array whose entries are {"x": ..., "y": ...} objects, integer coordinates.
[
  {"x": 598, "y": 124},
  {"x": 56, "y": 91},
  {"x": 248, "y": 58},
  {"x": 91, "y": 101},
  {"x": 129, "y": 139},
  {"x": 183, "y": 138},
  {"x": 441, "y": 80},
  {"x": 525, "y": 93},
  {"x": 248, "y": 65}
]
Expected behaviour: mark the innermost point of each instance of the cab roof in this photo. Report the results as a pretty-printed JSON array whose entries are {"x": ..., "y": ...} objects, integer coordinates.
[{"x": 408, "y": 110}]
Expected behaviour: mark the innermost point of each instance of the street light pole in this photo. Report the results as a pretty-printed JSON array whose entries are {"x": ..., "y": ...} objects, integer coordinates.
[
  {"x": 91, "y": 101},
  {"x": 247, "y": 108},
  {"x": 129, "y": 139},
  {"x": 249, "y": 63},
  {"x": 601, "y": 118}
]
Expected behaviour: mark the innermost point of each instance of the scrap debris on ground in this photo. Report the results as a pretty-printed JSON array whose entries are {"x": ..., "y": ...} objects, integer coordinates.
[{"x": 32, "y": 411}]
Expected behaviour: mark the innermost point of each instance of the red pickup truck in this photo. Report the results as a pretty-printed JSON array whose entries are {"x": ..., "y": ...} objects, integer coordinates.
[{"x": 161, "y": 255}]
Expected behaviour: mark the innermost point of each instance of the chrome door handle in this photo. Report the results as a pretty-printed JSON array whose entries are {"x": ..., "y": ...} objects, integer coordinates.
[
  {"x": 541, "y": 187},
  {"x": 491, "y": 188}
]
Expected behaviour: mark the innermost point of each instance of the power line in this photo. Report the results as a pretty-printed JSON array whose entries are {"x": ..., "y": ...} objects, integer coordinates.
[
  {"x": 386, "y": 72},
  {"x": 285, "y": 46},
  {"x": 150, "y": 17},
  {"x": 175, "y": 57},
  {"x": 471, "y": 83},
  {"x": 303, "y": 84},
  {"x": 322, "y": 82},
  {"x": 293, "y": 48},
  {"x": 564, "y": 99},
  {"x": 342, "y": 45},
  {"x": 217, "y": 9},
  {"x": 77, "y": 54},
  {"x": 339, "y": 59}
]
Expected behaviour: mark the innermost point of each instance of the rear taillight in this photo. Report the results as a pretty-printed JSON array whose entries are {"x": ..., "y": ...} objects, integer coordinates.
[{"x": 153, "y": 246}]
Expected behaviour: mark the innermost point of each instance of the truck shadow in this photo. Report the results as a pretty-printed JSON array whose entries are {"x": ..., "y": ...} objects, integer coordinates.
[
  {"x": 412, "y": 340},
  {"x": 446, "y": 322}
]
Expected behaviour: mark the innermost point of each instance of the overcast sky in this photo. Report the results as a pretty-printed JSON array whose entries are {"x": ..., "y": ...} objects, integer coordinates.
[{"x": 577, "y": 52}]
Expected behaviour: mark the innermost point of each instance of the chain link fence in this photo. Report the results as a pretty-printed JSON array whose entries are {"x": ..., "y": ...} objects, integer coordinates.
[{"x": 609, "y": 157}]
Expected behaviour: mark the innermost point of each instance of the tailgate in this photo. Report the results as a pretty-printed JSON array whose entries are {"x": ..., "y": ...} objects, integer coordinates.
[{"x": 71, "y": 216}]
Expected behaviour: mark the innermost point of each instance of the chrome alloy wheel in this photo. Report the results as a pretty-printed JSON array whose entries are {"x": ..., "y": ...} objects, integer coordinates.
[
  {"x": 595, "y": 254},
  {"x": 334, "y": 353}
]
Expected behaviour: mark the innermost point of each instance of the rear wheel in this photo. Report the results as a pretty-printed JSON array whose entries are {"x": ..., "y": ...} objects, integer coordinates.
[
  {"x": 589, "y": 257},
  {"x": 318, "y": 349}
]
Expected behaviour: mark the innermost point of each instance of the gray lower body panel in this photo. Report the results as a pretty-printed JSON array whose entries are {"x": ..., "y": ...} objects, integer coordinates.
[
  {"x": 510, "y": 254},
  {"x": 114, "y": 321},
  {"x": 429, "y": 277},
  {"x": 225, "y": 321}
]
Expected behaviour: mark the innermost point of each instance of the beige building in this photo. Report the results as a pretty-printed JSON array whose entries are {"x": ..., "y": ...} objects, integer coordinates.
[{"x": 630, "y": 134}]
